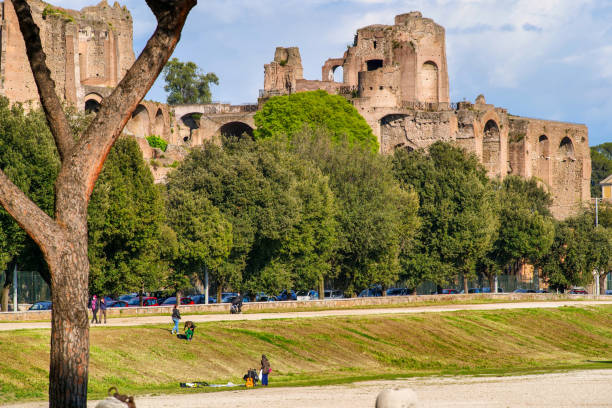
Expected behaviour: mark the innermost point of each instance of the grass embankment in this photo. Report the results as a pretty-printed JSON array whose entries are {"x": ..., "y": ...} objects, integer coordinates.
[{"x": 147, "y": 359}]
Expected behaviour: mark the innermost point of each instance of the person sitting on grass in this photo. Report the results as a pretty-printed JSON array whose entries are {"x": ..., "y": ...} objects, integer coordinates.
[{"x": 189, "y": 330}]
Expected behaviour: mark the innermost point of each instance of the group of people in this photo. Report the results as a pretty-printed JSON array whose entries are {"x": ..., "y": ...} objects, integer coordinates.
[
  {"x": 98, "y": 304},
  {"x": 189, "y": 329}
]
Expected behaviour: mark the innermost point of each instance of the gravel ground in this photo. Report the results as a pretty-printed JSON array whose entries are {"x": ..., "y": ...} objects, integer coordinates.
[
  {"x": 144, "y": 320},
  {"x": 559, "y": 390}
]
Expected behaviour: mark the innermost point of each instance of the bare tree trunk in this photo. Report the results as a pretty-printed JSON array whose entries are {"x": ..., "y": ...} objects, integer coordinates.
[
  {"x": 219, "y": 290},
  {"x": 602, "y": 283},
  {"x": 465, "y": 284},
  {"x": 492, "y": 282}
]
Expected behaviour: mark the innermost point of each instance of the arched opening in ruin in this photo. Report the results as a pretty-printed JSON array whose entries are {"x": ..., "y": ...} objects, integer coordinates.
[
  {"x": 192, "y": 122},
  {"x": 374, "y": 64},
  {"x": 236, "y": 130},
  {"x": 566, "y": 148},
  {"x": 543, "y": 159},
  {"x": 139, "y": 123},
  {"x": 338, "y": 72},
  {"x": 393, "y": 132},
  {"x": 428, "y": 82},
  {"x": 491, "y": 148},
  {"x": 92, "y": 106},
  {"x": 158, "y": 128}
]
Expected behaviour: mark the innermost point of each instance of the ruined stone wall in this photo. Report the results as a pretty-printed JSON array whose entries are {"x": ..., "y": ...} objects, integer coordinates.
[{"x": 87, "y": 52}]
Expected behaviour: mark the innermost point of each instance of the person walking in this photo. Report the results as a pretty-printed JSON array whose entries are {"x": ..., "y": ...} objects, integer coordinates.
[
  {"x": 265, "y": 369},
  {"x": 103, "y": 308},
  {"x": 94, "y": 309},
  {"x": 176, "y": 317}
]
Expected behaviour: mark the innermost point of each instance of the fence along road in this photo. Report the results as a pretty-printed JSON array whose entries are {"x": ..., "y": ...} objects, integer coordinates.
[{"x": 148, "y": 320}]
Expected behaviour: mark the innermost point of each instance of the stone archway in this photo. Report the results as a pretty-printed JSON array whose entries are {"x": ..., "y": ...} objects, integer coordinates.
[
  {"x": 236, "y": 130},
  {"x": 428, "y": 82},
  {"x": 543, "y": 159},
  {"x": 159, "y": 123},
  {"x": 566, "y": 148},
  {"x": 92, "y": 103},
  {"x": 491, "y": 148},
  {"x": 139, "y": 124}
]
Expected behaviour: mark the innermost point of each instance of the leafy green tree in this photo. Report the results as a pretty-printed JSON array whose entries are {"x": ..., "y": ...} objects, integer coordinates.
[
  {"x": 289, "y": 114},
  {"x": 279, "y": 207},
  {"x": 601, "y": 166},
  {"x": 457, "y": 211},
  {"x": 204, "y": 236},
  {"x": 526, "y": 227},
  {"x": 126, "y": 225},
  {"x": 578, "y": 249},
  {"x": 186, "y": 83},
  {"x": 29, "y": 158},
  {"x": 376, "y": 218}
]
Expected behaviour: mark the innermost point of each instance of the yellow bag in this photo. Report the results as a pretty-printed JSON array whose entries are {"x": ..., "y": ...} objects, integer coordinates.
[{"x": 249, "y": 382}]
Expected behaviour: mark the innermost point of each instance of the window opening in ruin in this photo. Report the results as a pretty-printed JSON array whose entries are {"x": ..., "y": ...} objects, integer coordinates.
[
  {"x": 159, "y": 123},
  {"x": 236, "y": 130},
  {"x": 374, "y": 64},
  {"x": 191, "y": 120},
  {"x": 429, "y": 82},
  {"x": 338, "y": 74},
  {"x": 92, "y": 105},
  {"x": 491, "y": 148},
  {"x": 375, "y": 44},
  {"x": 543, "y": 147},
  {"x": 566, "y": 148}
]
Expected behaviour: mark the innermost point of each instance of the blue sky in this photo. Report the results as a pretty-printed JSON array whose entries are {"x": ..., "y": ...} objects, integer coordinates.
[{"x": 548, "y": 59}]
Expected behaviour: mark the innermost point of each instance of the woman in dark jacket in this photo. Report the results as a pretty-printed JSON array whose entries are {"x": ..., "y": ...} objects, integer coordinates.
[
  {"x": 265, "y": 369},
  {"x": 176, "y": 317}
]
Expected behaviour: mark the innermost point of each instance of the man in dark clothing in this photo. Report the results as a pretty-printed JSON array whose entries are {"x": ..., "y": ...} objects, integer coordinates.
[
  {"x": 102, "y": 308},
  {"x": 95, "y": 306},
  {"x": 265, "y": 369},
  {"x": 237, "y": 304},
  {"x": 176, "y": 317}
]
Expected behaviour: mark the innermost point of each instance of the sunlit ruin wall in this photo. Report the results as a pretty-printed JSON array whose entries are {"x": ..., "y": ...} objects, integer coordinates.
[{"x": 396, "y": 76}]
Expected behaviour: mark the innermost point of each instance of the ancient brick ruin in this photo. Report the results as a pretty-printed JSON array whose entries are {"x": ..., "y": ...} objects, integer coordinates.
[{"x": 396, "y": 76}]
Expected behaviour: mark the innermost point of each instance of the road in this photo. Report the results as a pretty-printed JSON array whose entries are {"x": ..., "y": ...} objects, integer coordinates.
[
  {"x": 148, "y": 320},
  {"x": 560, "y": 390}
]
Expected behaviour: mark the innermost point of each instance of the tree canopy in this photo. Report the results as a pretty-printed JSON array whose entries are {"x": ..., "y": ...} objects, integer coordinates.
[
  {"x": 289, "y": 114},
  {"x": 601, "y": 166},
  {"x": 186, "y": 83}
]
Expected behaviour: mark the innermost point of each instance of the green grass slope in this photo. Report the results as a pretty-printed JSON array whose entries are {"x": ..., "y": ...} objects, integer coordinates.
[{"x": 322, "y": 350}]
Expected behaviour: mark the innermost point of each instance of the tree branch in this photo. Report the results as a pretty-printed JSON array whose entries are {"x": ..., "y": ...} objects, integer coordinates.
[
  {"x": 116, "y": 109},
  {"x": 36, "y": 223},
  {"x": 58, "y": 123}
]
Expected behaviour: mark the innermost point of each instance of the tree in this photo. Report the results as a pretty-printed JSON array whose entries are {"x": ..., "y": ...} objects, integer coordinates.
[
  {"x": 601, "y": 166},
  {"x": 186, "y": 83},
  {"x": 63, "y": 237},
  {"x": 457, "y": 211},
  {"x": 578, "y": 249},
  {"x": 288, "y": 114},
  {"x": 376, "y": 218},
  {"x": 526, "y": 228},
  {"x": 125, "y": 225},
  {"x": 29, "y": 157},
  {"x": 204, "y": 236},
  {"x": 279, "y": 206}
]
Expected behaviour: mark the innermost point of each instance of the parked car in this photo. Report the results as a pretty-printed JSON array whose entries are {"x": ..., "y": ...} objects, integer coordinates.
[
  {"x": 333, "y": 294},
  {"x": 398, "y": 292},
  {"x": 475, "y": 290},
  {"x": 262, "y": 297},
  {"x": 373, "y": 291},
  {"x": 146, "y": 301},
  {"x": 128, "y": 297},
  {"x": 542, "y": 291},
  {"x": 117, "y": 303},
  {"x": 185, "y": 300},
  {"x": 200, "y": 299},
  {"x": 521, "y": 290},
  {"x": 449, "y": 291},
  {"x": 226, "y": 297},
  {"x": 44, "y": 305},
  {"x": 488, "y": 290},
  {"x": 287, "y": 295},
  {"x": 307, "y": 295},
  {"x": 578, "y": 291},
  {"x": 609, "y": 292}
]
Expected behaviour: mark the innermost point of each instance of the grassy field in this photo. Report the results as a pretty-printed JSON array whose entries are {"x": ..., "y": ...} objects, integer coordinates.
[{"x": 314, "y": 351}]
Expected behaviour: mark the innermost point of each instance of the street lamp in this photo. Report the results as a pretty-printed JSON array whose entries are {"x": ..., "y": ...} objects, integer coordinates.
[{"x": 595, "y": 271}]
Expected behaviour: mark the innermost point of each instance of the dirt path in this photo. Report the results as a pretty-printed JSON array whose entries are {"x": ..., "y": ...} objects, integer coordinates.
[
  {"x": 560, "y": 390},
  {"x": 145, "y": 320}
]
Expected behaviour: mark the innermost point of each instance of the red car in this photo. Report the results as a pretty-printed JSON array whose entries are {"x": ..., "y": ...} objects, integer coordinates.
[
  {"x": 578, "y": 291},
  {"x": 449, "y": 292},
  {"x": 186, "y": 300},
  {"x": 146, "y": 301}
]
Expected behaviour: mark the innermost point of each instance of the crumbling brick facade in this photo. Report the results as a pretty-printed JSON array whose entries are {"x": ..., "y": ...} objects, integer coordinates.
[
  {"x": 397, "y": 78},
  {"x": 88, "y": 52}
]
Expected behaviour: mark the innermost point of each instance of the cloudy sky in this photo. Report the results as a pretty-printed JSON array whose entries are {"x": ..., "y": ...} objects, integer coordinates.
[{"x": 548, "y": 59}]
